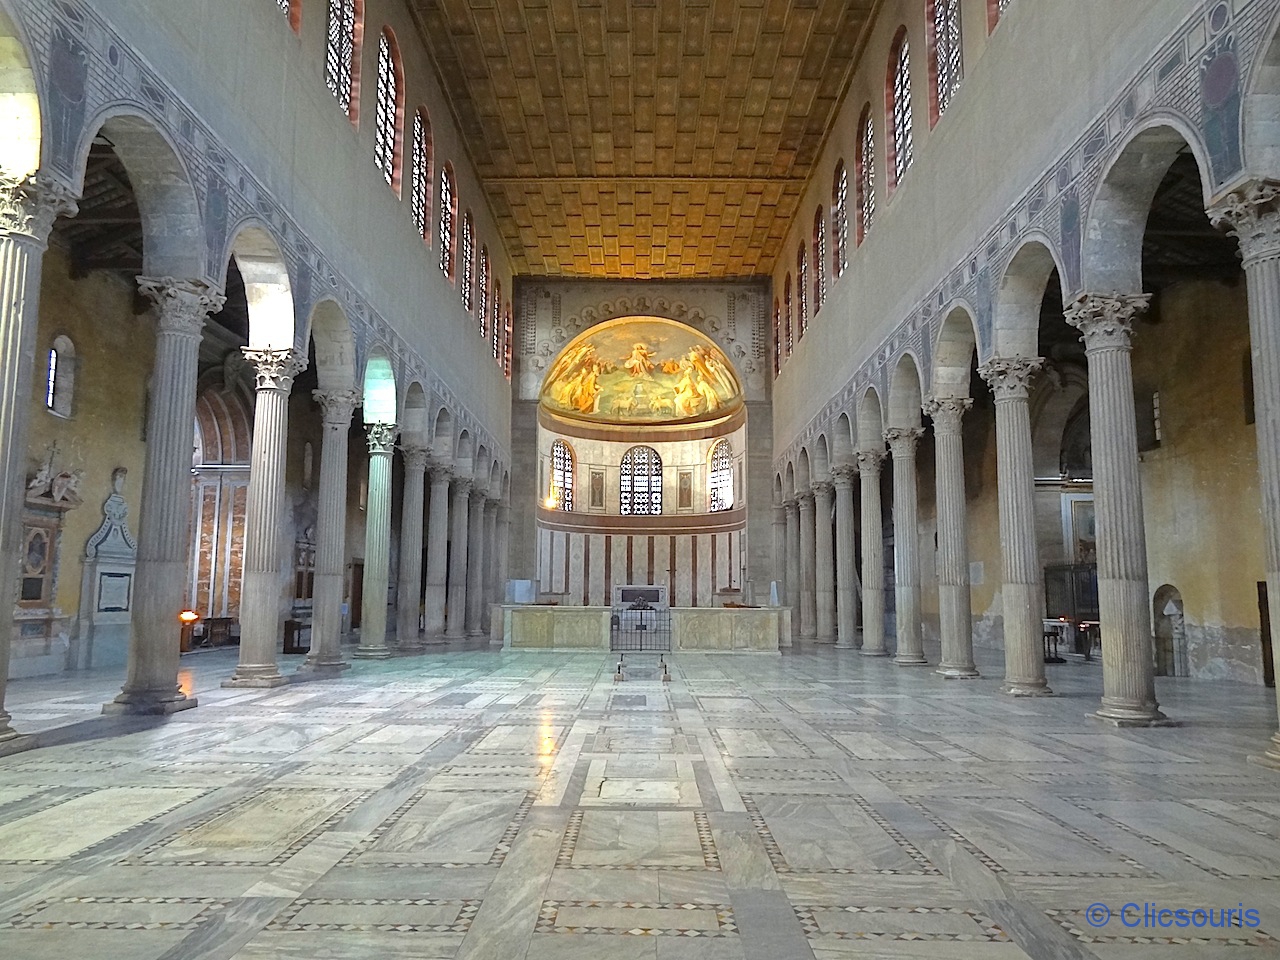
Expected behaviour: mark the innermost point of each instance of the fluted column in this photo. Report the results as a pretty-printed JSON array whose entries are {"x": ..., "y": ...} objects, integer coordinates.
[
  {"x": 377, "y": 544},
  {"x": 264, "y": 519},
  {"x": 955, "y": 604},
  {"x": 902, "y": 443},
  {"x": 325, "y": 655},
  {"x": 792, "y": 507},
  {"x": 1124, "y": 608},
  {"x": 28, "y": 208},
  {"x": 872, "y": 555},
  {"x": 780, "y": 550},
  {"x": 1252, "y": 215},
  {"x": 455, "y": 624},
  {"x": 437, "y": 550},
  {"x": 824, "y": 552},
  {"x": 151, "y": 684},
  {"x": 846, "y": 575},
  {"x": 808, "y": 568},
  {"x": 409, "y": 590},
  {"x": 490, "y": 573},
  {"x": 502, "y": 544},
  {"x": 475, "y": 562},
  {"x": 1010, "y": 380}
]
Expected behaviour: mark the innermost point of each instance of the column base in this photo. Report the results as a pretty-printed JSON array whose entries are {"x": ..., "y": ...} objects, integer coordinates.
[
  {"x": 830, "y": 640},
  {"x": 321, "y": 671},
  {"x": 958, "y": 673},
  {"x": 1270, "y": 759},
  {"x": 412, "y": 646},
  {"x": 16, "y": 743},
  {"x": 846, "y": 645},
  {"x": 1027, "y": 688},
  {"x": 256, "y": 678},
  {"x": 436, "y": 641},
  {"x": 911, "y": 660},
  {"x": 148, "y": 705},
  {"x": 372, "y": 653},
  {"x": 1122, "y": 716},
  {"x": 873, "y": 653}
]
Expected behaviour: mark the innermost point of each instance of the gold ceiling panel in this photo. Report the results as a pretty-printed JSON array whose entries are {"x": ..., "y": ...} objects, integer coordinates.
[{"x": 643, "y": 138}]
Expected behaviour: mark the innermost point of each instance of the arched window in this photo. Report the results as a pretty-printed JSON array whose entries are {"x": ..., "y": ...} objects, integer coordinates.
[
  {"x": 448, "y": 217},
  {"x": 802, "y": 290},
  {"x": 342, "y": 54},
  {"x": 995, "y": 10},
  {"x": 840, "y": 221},
  {"x": 819, "y": 260},
  {"x": 946, "y": 63},
  {"x": 866, "y": 167},
  {"x": 720, "y": 480},
  {"x": 293, "y": 10},
  {"x": 786, "y": 309},
  {"x": 506, "y": 341},
  {"x": 482, "y": 291},
  {"x": 467, "y": 252},
  {"x": 640, "y": 484},
  {"x": 899, "y": 112},
  {"x": 496, "y": 333},
  {"x": 777, "y": 337},
  {"x": 60, "y": 377},
  {"x": 561, "y": 494},
  {"x": 420, "y": 176},
  {"x": 390, "y": 114}
]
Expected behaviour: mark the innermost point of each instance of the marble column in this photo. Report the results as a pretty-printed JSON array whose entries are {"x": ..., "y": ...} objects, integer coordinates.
[
  {"x": 792, "y": 507},
  {"x": 28, "y": 208},
  {"x": 475, "y": 562},
  {"x": 808, "y": 568},
  {"x": 1124, "y": 606},
  {"x": 437, "y": 550},
  {"x": 502, "y": 548},
  {"x": 872, "y": 555},
  {"x": 955, "y": 604},
  {"x": 824, "y": 552},
  {"x": 490, "y": 573},
  {"x": 846, "y": 575},
  {"x": 780, "y": 550},
  {"x": 1010, "y": 380},
  {"x": 264, "y": 519},
  {"x": 409, "y": 589},
  {"x": 1252, "y": 215},
  {"x": 377, "y": 544},
  {"x": 455, "y": 624},
  {"x": 902, "y": 443},
  {"x": 325, "y": 656}
]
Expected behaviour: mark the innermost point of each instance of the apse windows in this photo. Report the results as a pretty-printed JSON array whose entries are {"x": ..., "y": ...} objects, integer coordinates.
[
  {"x": 640, "y": 483},
  {"x": 720, "y": 479},
  {"x": 948, "y": 64},
  {"x": 482, "y": 291},
  {"x": 386, "y": 134},
  {"x": 448, "y": 218},
  {"x": 467, "y": 252},
  {"x": 60, "y": 377},
  {"x": 840, "y": 221},
  {"x": 786, "y": 308},
  {"x": 900, "y": 107},
  {"x": 866, "y": 167},
  {"x": 342, "y": 53},
  {"x": 802, "y": 290},
  {"x": 819, "y": 260},
  {"x": 561, "y": 494},
  {"x": 420, "y": 174}
]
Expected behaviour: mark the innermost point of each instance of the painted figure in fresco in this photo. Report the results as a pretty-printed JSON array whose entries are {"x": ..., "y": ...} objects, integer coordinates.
[
  {"x": 708, "y": 394},
  {"x": 706, "y": 363},
  {"x": 687, "y": 399},
  {"x": 640, "y": 363}
]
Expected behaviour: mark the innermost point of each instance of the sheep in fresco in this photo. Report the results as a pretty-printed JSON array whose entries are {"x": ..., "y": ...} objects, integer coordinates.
[
  {"x": 662, "y": 405},
  {"x": 625, "y": 405}
]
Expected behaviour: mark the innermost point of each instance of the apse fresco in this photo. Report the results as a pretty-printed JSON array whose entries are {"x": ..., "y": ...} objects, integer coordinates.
[{"x": 641, "y": 370}]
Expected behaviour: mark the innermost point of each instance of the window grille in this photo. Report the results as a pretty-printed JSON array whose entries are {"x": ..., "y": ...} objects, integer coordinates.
[
  {"x": 506, "y": 341},
  {"x": 840, "y": 222},
  {"x": 721, "y": 481},
  {"x": 777, "y": 337},
  {"x": 51, "y": 381},
  {"x": 902, "y": 139},
  {"x": 819, "y": 260},
  {"x": 468, "y": 258},
  {"x": 340, "y": 51},
  {"x": 786, "y": 308},
  {"x": 497, "y": 331},
  {"x": 386, "y": 135},
  {"x": 448, "y": 212},
  {"x": 561, "y": 476},
  {"x": 947, "y": 51},
  {"x": 802, "y": 290},
  {"x": 866, "y": 177},
  {"x": 60, "y": 377},
  {"x": 482, "y": 292},
  {"x": 640, "y": 483},
  {"x": 420, "y": 184}
]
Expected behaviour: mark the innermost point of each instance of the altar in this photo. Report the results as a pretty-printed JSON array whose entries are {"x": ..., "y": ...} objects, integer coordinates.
[{"x": 762, "y": 630}]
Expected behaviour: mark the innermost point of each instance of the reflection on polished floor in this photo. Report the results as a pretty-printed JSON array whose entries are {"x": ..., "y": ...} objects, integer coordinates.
[{"x": 476, "y": 804}]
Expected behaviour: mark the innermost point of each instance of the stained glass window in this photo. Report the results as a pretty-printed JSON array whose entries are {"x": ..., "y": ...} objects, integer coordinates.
[
  {"x": 866, "y": 176},
  {"x": 819, "y": 260},
  {"x": 482, "y": 292},
  {"x": 947, "y": 54},
  {"x": 340, "y": 52},
  {"x": 386, "y": 134},
  {"x": 640, "y": 483},
  {"x": 561, "y": 495},
  {"x": 468, "y": 259},
  {"x": 721, "y": 478},
  {"x": 802, "y": 290},
  {"x": 901, "y": 114},
  {"x": 840, "y": 221},
  {"x": 786, "y": 308},
  {"x": 448, "y": 215},
  {"x": 420, "y": 185}
]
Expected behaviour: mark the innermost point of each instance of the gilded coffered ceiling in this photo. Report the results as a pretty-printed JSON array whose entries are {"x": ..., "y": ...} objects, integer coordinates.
[{"x": 643, "y": 139}]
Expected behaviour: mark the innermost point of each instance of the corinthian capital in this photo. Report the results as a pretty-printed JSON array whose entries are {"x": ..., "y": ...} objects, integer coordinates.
[
  {"x": 1251, "y": 214},
  {"x": 182, "y": 306},
  {"x": 381, "y": 436},
  {"x": 337, "y": 406},
  {"x": 902, "y": 441},
  {"x": 869, "y": 462},
  {"x": 275, "y": 369},
  {"x": 1106, "y": 321},
  {"x": 946, "y": 413},
  {"x": 415, "y": 458},
  {"x": 844, "y": 476},
  {"x": 30, "y": 204},
  {"x": 1010, "y": 377}
]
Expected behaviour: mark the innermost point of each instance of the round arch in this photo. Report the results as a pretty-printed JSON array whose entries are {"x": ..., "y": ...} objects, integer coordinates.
[
  {"x": 335, "y": 346},
  {"x": 953, "y": 354},
  {"x": 1021, "y": 294},
  {"x": 870, "y": 422},
  {"x": 379, "y": 388},
  {"x": 906, "y": 395},
  {"x": 267, "y": 287}
]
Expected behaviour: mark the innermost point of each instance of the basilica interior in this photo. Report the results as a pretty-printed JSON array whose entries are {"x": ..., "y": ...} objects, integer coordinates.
[{"x": 649, "y": 479}]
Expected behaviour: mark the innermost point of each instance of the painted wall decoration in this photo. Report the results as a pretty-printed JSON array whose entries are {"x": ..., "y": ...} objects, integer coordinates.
[{"x": 641, "y": 370}]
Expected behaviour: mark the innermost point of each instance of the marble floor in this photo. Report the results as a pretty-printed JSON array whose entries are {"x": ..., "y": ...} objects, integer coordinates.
[{"x": 478, "y": 804}]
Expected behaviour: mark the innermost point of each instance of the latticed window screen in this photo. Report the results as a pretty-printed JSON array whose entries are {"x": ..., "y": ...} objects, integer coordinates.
[
  {"x": 448, "y": 211},
  {"x": 819, "y": 260},
  {"x": 903, "y": 144},
  {"x": 496, "y": 332},
  {"x": 721, "y": 480},
  {"x": 777, "y": 337},
  {"x": 386, "y": 134},
  {"x": 640, "y": 484},
  {"x": 284, "y": 6},
  {"x": 802, "y": 289},
  {"x": 866, "y": 177},
  {"x": 786, "y": 310},
  {"x": 1004, "y": 5},
  {"x": 340, "y": 49},
  {"x": 948, "y": 57},
  {"x": 840, "y": 222},
  {"x": 506, "y": 341},
  {"x": 420, "y": 175},
  {"x": 482, "y": 292},
  {"x": 561, "y": 476},
  {"x": 468, "y": 254}
]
